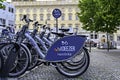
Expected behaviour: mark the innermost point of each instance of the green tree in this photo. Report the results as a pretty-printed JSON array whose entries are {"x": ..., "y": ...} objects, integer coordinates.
[
  {"x": 100, "y": 15},
  {"x": 1, "y": 6}
]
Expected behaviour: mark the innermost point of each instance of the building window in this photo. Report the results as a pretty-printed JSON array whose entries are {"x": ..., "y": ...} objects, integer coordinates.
[
  {"x": 41, "y": 10},
  {"x": 63, "y": 17},
  {"x": 48, "y": 25},
  {"x": 28, "y": 15},
  {"x": 54, "y": 25},
  {"x": 3, "y": 22},
  {"x": 91, "y": 36},
  {"x": 111, "y": 37},
  {"x": 15, "y": 17},
  {"x": 96, "y": 36},
  {"x": 48, "y": 16},
  {"x": 27, "y": 10},
  {"x": 70, "y": 28},
  {"x": 70, "y": 10},
  {"x": 76, "y": 25},
  {"x": 34, "y": 10},
  {"x": 76, "y": 29},
  {"x": 21, "y": 16},
  {"x": 34, "y": 17},
  {"x": 70, "y": 16},
  {"x": 77, "y": 17},
  {"x": 63, "y": 9},
  {"x": 77, "y": 9},
  {"x": 69, "y": 25},
  {"x": 20, "y": 10},
  {"x": 118, "y": 38},
  {"x": 11, "y": 10},
  {"x": 26, "y": 0},
  {"x": 41, "y": 17},
  {"x": 48, "y": 10},
  {"x": 62, "y": 25}
]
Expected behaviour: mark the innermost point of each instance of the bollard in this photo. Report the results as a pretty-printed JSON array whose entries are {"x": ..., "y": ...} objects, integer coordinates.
[{"x": 90, "y": 46}]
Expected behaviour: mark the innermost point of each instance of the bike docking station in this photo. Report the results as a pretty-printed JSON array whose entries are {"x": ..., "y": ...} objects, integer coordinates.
[
  {"x": 7, "y": 63},
  {"x": 66, "y": 52}
]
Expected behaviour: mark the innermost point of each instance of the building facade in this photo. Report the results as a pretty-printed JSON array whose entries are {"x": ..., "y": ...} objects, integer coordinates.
[
  {"x": 7, "y": 18},
  {"x": 41, "y": 11}
]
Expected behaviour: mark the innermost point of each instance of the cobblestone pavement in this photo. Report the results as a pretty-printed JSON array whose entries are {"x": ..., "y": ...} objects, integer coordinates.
[
  {"x": 103, "y": 66},
  {"x": 45, "y": 73}
]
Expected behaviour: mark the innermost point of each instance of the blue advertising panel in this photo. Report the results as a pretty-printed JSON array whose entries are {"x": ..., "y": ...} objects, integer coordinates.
[
  {"x": 65, "y": 48},
  {"x": 56, "y": 13}
]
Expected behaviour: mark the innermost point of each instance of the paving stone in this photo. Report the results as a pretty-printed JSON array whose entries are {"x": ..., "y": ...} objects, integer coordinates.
[{"x": 103, "y": 66}]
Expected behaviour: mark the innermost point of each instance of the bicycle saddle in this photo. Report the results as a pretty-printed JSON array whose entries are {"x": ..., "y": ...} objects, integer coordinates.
[
  {"x": 64, "y": 30},
  {"x": 70, "y": 33},
  {"x": 59, "y": 34}
]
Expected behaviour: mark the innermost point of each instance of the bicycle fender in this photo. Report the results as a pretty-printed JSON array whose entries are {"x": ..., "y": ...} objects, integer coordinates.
[{"x": 65, "y": 48}]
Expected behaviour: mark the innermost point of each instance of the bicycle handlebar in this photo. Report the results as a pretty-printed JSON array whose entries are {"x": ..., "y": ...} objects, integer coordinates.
[
  {"x": 36, "y": 24},
  {"x": 27, "y": 20}
]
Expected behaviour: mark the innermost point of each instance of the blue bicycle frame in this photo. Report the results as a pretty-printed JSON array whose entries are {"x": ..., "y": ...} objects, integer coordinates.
[
  {"x": 41, "y": 42},
  {"x": 33, "y": 42},
  {"x": 61, "y": 50}
]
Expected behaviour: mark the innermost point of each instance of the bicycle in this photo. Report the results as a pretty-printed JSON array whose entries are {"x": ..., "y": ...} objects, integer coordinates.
[
  {"x": 43, "y": 56},
  {"x": 60, "y": 54},
  {"x": 23, "y": 58}
]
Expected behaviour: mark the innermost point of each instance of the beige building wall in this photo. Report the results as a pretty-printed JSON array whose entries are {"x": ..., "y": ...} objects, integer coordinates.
[
  {"x": 36, "y": 8},
  {"x": 45, "y": 8}
]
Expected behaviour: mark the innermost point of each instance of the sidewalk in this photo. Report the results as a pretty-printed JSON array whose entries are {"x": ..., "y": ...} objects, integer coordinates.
[{"x": 104, "y": 65}]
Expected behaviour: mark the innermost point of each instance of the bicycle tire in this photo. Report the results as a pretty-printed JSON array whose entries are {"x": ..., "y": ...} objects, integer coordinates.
[
  {"x": 7, "y": 60},
  {"x": 28, "y": 59},
  {"x": 75, "y": 73},
  {"x": 1, "y": 62},
  {"x": 34, "y": 56},
  {"x": 75, "y": 65}
]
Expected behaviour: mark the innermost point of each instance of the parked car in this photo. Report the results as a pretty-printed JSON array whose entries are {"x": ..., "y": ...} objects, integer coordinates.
[{"x": 91, "y": 43}]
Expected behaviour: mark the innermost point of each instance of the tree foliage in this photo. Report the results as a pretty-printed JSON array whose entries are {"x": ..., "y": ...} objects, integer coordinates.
[
  {"x": 1, "y": 6},
  {"x": 100, "y": 15}
]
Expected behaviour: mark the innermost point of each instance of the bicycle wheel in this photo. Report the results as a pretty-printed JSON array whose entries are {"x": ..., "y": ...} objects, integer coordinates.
[
  {"x": 1, "y": 61},
  {"x": 77, "y": 59},
  {"x": 34, "y": 56},
  {"x": 76, "y": 62},
  {"x": 22, "y": 62},
  {"x": 1, "y": 57},
  {"x": 74, "y": 73},
  {"x": 8, "y": 57}
]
